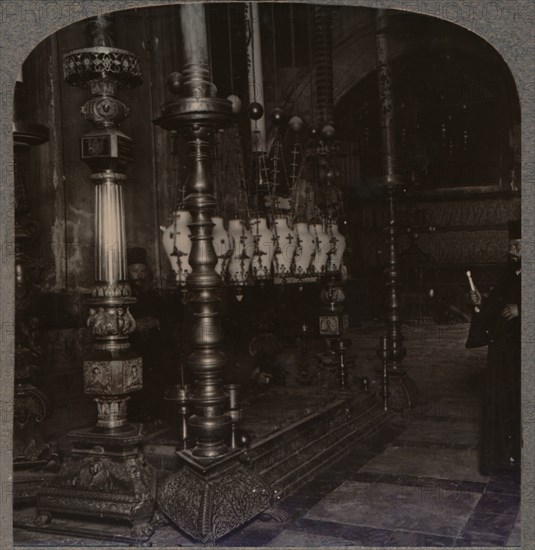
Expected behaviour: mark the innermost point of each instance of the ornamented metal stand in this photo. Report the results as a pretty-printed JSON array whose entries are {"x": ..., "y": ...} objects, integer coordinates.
[
  {"x": 180, "y": 396},
  {"x": 403, "y": 391},
  {"x": 212, "y": 493},
  {"x": 107, "y": 476},
  {"x": 235, "y": 413},
  {"x": 333, "y": 322}
]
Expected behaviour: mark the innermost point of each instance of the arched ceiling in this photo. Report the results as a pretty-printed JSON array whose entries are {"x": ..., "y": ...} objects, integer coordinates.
[{"x": 354, "y": 52}]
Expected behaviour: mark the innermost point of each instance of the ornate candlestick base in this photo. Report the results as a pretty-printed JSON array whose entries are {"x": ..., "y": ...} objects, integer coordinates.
[
  {"x": 399, "y": 391},
  {"x": 209, "y": 500},
  {"x": 403, "y": 392},
  {"x": 106, "y": 477}
]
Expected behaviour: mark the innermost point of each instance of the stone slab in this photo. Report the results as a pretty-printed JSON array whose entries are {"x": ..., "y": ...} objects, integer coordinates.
[
  {"x": 289, "y": 538},
  {"x": 394, "y": 507},
  {"x": 451, "y": 434},
  {"x": 457, "y": 464},
  {"x": 515, "y": 537}
]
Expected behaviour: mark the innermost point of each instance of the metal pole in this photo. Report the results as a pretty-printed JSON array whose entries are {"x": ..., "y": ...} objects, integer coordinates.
[{"x": 396, "y": 375}]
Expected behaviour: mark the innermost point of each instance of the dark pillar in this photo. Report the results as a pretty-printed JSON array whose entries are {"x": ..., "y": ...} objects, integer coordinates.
[{"x": 30, "y": 405}]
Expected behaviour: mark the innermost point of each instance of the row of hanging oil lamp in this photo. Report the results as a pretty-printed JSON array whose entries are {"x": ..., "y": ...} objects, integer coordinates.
[
  {"x": 274, "y": 241},
  {"x": 256, "y": 251}
]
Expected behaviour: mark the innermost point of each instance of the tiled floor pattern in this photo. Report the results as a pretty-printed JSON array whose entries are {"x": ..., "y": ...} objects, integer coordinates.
[
  {"x": 417, "y": 483},
  {"x": 363, "y": 502},
  {"x": 414, "y": 484},
  {"x": 371, "y": 498}
]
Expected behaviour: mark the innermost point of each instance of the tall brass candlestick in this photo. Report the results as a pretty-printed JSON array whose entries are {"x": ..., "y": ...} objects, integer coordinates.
[
  {"x": 197, "y": 114},
  {"x": 112, "y": 370},
  {"x": 403, "y": 390},
  {"x": 200, "y": 498}
]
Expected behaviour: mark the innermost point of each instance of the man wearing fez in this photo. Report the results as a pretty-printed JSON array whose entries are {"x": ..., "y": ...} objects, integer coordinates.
[
  {"x": 148, "y": 308},
  {"x": 151, "y": 339},
  {"x": 496, "y": 323}
]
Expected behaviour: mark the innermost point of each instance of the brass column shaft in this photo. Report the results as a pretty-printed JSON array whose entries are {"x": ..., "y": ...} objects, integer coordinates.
[
  {"x": 386, "y": 98},
  {"x": 110, "y": 264}
]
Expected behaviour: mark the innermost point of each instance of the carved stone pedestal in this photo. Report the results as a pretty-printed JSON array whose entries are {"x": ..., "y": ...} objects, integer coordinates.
[{"x": 106, "y": 478}]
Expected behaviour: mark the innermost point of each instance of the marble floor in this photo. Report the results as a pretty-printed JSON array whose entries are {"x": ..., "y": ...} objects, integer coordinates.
[{"x": 415, "y": 483}]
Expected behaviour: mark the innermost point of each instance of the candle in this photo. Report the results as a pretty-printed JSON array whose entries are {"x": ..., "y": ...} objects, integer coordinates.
[{"x": 472, "y": 287}]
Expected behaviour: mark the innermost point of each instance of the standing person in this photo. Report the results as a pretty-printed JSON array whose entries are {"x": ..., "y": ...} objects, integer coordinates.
[
  {"x": 152, "y": 339},
  {"x": 497, "y": 324},
  {"x": 148, "y": 308}
]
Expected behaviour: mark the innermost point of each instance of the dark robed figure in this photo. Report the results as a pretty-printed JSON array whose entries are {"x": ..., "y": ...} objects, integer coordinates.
[
  {"x": 153, "y": 339},
  {"x": 497, "y": 325}
]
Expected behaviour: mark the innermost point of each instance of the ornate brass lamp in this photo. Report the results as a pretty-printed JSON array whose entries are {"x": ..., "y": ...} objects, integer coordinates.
[{"x": 107, "y": 475}]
